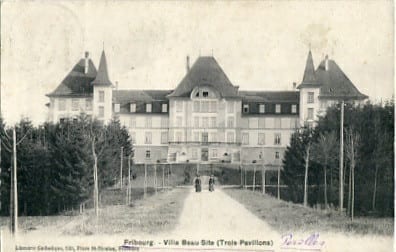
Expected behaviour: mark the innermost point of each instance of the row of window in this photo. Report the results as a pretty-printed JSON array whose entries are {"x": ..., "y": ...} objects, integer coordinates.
[
  {"x": 205, "y": 137},
  {"x": 262, "y": 108},
  {"x": 214, "y": 154},
  {"x": 77, "y": 104},
  {"x": 200, "y": 106},
  {"x": 211, "y": 122},
  {"x": 148, "y": 108}
]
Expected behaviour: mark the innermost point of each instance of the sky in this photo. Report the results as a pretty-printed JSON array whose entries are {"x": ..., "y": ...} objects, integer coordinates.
[{"x": 261, "y": 45}]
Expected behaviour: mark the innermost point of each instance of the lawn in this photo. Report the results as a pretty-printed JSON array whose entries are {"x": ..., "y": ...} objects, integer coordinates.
[
  {"x": 151, "y": 215},
  {"x": 286, "y": 216}
]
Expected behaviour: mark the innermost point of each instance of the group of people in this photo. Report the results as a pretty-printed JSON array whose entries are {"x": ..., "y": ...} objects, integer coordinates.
[{"x": 198, "y": 186}]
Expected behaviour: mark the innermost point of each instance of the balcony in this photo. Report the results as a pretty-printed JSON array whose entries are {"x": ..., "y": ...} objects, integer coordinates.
[{"x": 205, "y": 143}]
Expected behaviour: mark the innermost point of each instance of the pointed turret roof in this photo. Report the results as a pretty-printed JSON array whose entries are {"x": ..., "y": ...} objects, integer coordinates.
[
  {"x": 309, "y": 77},
  {"x": 205, "y": 72},
  {"x": 102, "y": 77}
]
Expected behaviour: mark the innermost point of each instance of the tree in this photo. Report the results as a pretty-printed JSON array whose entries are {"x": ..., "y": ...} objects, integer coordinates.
[
  {"x": 352, "y": 143},
  {"x": 324, "y": 149}
]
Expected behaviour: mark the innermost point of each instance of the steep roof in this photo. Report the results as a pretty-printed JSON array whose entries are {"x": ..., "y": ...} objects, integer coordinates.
[
  {"x": 77, "y": 83},
  {"x": 205, "y": 72},
  {"x": 270, "y": 96},
  {"x": 309, "y": 78},
  {"x": 335, "y": 84},
  {"x": 102, "y": 78}
]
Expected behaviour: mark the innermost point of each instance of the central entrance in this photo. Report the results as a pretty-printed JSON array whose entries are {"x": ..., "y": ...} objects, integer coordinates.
[{"x": 204, "y": 154}]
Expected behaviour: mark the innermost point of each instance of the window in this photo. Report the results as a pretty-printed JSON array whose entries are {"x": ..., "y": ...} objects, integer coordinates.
[
  {"x": 294, "y": 108},
  {"x": 148, "y": 154},
  {"x": 294, "y": 123},
  {"x": 88, "y": 104},
  {"x": 62, "y": 104},
  {"x": 277, "y": 139},
  {"x": 214, "y": 153},
  {"x": 133, "y": 137},
  {"x": 147, "y": 138},
  {"x": 277, "y": 123},
  {"x": 245, "y": 138},
  {"x": 310, "y": 97},
  {"x": 75, "y": 104},
  {"x": 205, "y": 93},
  {"x": 148, "y": 122},
  {"x": 230, "y": 107},
  {"x": 101, "y": 96},
  {"x": 252, "y": 123},
  {"x": 178, "y": 136},
  {"x": 276, "y": 155},
  {"x": 230, "y": 122},
  {"x": 179, "y": 121},
  {"x": 164, "y": 122},
  {"x": 101, "y": 111},
  {"x": 132, "y": 122},
  {"x": 194, "y": 153},
  {"x": 310, "y": 113},
  {"x": 213, "y": 137},
  {"x": 164, "y": 137},
  {"x": 261, "y": 108},
  {"x": 261, "y": 123},
  {"x": 245, "y": 108},
  {"x": 164, "y": 108},
  {"x": 196, "y": 121},
  {"x": 132, "y": 107},
  {"x": 148, "y": 107},
  {"x": 204, "y": 137},
  {"x": 205, "y": 122},
  {"x": 277, "y": 108},
  {"x": 261, "y": 138},
  {"x": 117, "y": 107},
  {"x": 213, "y": 122},
  {"x": 230, "y": 137},
  {"x": 205, "y": 106},
  {"x": 62, "y": 120},
  {"x": 196, "y": 136},
  {"x": 196, "y": 106},
  {"x": 213, "y": 106},
  {"x": 179, "y": 106}
]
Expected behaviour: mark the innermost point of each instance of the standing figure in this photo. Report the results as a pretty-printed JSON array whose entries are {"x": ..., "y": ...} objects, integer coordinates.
[
  {"x": 211, "y": 183},
  {"x": 197, "y": 182}
]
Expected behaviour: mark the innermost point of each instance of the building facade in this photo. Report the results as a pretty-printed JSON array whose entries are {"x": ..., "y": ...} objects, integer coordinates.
[{"x": 206, "y": 118}]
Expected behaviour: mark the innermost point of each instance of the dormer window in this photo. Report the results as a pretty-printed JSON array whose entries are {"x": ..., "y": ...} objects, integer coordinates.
[
  {"x": 205, "y": 93},
  {"x": 245, "y": 108},
  {"x": 261, "y": 108},
  {"x": 148, "y": 107},
  {"x": 294, "y": 108},
  {"x": 277, "y": 108},
  {"x": 164, "y": 108},
  {"x": 132, "y": 108}
]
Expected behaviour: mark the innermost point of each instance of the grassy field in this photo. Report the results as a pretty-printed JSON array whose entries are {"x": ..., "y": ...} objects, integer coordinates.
[
  {"x": 285, "y": 216},
  {"x": 152, "y": 215}
]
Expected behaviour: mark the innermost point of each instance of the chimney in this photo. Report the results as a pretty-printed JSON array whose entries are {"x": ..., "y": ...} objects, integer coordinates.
[
  {"x": 327, "y": 62},
  {"x": 86, "y": 62},
  {"x": 294, "y": 85},
  {"x": 188, "y": 63}
]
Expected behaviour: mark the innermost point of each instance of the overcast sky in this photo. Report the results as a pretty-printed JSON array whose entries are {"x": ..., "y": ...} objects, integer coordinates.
[{"x": 259, "y": 45}]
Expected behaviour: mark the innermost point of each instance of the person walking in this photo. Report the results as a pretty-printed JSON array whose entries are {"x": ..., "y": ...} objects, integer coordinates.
[
  {"x": 211, "y": 183},
  {"x": 197, "y": 182}
]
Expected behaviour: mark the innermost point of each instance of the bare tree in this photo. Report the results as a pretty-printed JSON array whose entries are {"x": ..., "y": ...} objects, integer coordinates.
[
  {"x": 324, "y": 147},
  {"x": 352, "y": 143}
]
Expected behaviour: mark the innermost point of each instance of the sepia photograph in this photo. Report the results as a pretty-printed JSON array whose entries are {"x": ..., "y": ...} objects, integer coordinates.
[{"x": 197, "y": 126}]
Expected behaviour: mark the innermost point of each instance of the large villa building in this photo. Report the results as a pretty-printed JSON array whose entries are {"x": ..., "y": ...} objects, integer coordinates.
[{"x": 206, "y": 118}]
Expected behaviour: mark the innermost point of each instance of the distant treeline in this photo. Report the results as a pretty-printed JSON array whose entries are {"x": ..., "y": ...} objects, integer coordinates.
[
  {"x": 55, "y": 163},
  {"x": 368, "y": 160}
]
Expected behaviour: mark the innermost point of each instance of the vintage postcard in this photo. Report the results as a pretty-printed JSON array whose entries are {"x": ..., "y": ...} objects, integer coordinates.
[{"x": 197, "y": 126}]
